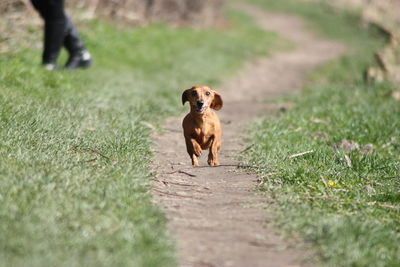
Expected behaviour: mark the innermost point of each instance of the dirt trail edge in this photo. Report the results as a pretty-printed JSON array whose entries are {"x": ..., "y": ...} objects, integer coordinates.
[{"x": 213, "y": 212}]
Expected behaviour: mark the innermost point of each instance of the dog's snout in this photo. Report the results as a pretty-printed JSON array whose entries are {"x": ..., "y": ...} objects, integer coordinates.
[{"x": 200, "y": 103}]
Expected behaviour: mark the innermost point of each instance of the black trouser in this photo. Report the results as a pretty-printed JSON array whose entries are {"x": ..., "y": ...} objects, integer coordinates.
[{"x": 58, "y": 30}]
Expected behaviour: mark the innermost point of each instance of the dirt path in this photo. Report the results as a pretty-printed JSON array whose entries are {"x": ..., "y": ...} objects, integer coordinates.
[{"x": 214, "y": 213}]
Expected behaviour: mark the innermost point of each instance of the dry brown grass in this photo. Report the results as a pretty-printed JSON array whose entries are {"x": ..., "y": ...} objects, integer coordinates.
[
  {"x": 18, "y": 16},
  {"x": 197, "y": 13}
]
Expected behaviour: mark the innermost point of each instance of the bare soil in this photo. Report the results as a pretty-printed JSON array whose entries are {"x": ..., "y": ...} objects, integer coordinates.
[{"x": 215, "y": 214}]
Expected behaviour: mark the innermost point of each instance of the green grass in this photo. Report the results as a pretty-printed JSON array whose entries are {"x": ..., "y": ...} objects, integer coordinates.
[
  {"x": 75, "y": 150},
  {"x": 350, "y": 214}
]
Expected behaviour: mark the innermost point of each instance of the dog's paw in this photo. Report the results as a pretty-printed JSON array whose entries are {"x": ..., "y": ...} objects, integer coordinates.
[
  {"x": 195, "y": 162},
  {"x": 213, "y": 162},
  {"x": 197, "y": 151}
]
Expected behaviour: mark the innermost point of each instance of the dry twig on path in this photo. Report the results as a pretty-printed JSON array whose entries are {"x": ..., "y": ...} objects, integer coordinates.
[
  {"x": 173, "y": 194},
  {"x": 180, "y": 171}
]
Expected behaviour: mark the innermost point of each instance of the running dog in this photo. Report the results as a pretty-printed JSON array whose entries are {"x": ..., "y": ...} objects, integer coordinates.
[{"x": 202, "y": 127}]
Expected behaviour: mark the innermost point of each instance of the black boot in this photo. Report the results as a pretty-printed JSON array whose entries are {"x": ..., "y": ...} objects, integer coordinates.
[
  {"x": 79, "y": 57},
  {"x": 82, "y": 59}
]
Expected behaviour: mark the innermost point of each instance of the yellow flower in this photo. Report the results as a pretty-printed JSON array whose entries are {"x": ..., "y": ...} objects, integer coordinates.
[{"x": 332, "y": 184}]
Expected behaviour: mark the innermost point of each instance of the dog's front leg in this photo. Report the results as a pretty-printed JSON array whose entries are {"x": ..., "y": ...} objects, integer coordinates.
[
  {"x": 213, "y": 154},
  {"x": 194, "y": 150}
]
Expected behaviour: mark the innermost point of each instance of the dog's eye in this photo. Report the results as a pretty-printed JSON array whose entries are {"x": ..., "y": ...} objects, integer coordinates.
[
  {"x": 194, "y": 93},
  {"x": 208, "y": 93}
]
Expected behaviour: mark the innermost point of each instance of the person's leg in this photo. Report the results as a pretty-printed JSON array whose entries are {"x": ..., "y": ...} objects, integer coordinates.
[
  {"x": 79, "y": 57},
  {"x": 72, "y": 40},
  {"x": 40, "y": 6},
  {"x": 55, "y": 27},
  {"x": 59, "y": 30}
]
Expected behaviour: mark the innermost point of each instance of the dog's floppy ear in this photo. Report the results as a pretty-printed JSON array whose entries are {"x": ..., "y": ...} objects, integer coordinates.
[
  {"x": 217, "y": 102},
  {"x": 185, "y": 96}
]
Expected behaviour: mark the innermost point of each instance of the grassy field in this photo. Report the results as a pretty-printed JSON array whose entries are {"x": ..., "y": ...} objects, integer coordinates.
[
  {"x": 75, "y": 146},
  {"x": 344, "y": 202}
]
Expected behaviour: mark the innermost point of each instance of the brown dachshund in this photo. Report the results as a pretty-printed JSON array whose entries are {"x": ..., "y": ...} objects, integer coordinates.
[{"x": 201, "y": 127}]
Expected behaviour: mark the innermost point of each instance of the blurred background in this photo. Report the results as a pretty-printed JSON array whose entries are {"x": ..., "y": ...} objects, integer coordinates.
[
  {"x": 134, "y": 12},
  {"x": 18, "y": 14}
]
